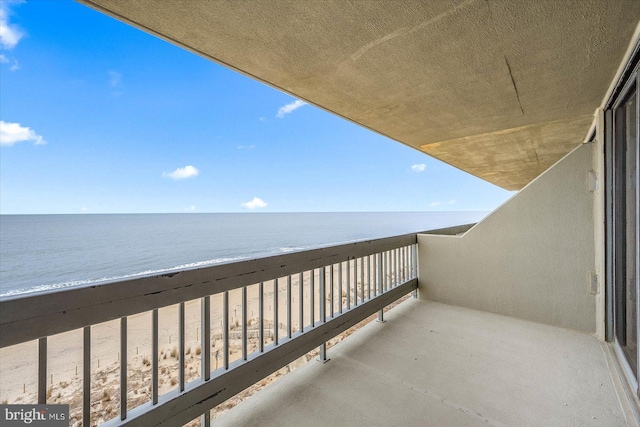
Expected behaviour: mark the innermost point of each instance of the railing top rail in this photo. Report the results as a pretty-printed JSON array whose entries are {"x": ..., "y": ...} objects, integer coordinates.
[{"x": 28, "y": 317}]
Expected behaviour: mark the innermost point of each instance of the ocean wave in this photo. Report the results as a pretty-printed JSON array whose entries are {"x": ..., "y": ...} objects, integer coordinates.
[
  {"x": 75, "y": 283},
  {"x": 287, "y": 249}
]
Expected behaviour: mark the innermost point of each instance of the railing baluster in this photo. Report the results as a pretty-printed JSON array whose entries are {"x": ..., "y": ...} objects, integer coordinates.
[
  {"x": 394, "y": 254},
  {"x": 301, "y": 300},
  {"x": 244, "y": 323},
  {"x": 261, "y": 317},
  {"x": 392, "y": 269},
  {"x": 411, "y": 270},
  {"x": 387, "y": 270},
  {"x": 331, "y": 296},
  {"x": 205, "y": 355},
  {"x": 375, "y": 274},
  {"x": 123, "y": 368},
  {"x": 154, "y": 356},
  {"x": 383, "y": 277},
  {"x": 275, "y": 312},
  {"x": 312, "y": 291},
  {"x": 42, "y": 371},
  {"x": 397, "y": 269},
  {"x": 322, "y": 306},
  {"x": 348, "y": 284},
  {"x": 322, "y": 303},
  {"x": 288, "y": 306},
  {"x": 361, "y": 279},
  {"x": 181, "y": 337},
  {"x": 225, "y": 330},
  {"x": 401, "y": 265},
  {"x": 86, "y": 375},
  {"x": 355, "y": 282},
  {"x": 380, "y": 285},
  {"x": 340, "y": 287},
  {"x": 414, "y": 267},
  {"x": 368, "y": 277},
  {"x": 405, "y": 263}
]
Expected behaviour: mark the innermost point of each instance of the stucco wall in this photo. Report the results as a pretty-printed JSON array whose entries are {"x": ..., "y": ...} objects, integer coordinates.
[{"x": 531, "y": 258}]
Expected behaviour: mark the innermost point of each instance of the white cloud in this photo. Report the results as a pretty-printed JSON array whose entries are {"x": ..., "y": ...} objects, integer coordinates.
[
  {"x": 419, "y": 167},
  {"x": 439, "y": 203},
  {"x": 10, "y": 34},
  {"x": 182, "y": 173},
  {"x": 283, "y": 111},
  {"x": 115, "y": 78},
  {"x": 246, "y": 147},
  {"x": 6, "y": 60},
  {"x": 255, "y": 203},
  {"x": 11, "y": 133},
  {"x": 84, "y": 209},
  {"x": 191, "y": 208}
]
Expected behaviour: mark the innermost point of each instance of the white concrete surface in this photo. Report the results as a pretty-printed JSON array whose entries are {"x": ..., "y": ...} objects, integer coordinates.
[
  {"x": 432, "y": 364},
  {"x": 531, "y": 258}
]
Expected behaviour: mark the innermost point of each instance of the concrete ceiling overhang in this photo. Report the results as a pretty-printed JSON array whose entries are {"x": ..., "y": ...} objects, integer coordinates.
[{"x": 501, "y": 89}]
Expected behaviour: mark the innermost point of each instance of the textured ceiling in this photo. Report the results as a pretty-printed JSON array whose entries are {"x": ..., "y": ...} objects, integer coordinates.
[{"x": 501, "y": 89}]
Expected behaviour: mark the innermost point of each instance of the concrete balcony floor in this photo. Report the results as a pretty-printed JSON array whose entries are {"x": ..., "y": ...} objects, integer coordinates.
[{"x": 440, "y": 365}]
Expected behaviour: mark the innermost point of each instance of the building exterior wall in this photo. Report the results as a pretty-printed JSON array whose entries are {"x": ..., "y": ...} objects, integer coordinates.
[{"x": 532, "y": 258}]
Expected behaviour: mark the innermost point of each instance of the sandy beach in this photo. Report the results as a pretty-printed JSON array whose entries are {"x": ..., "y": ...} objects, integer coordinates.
[{"x": 18, "y": 364}]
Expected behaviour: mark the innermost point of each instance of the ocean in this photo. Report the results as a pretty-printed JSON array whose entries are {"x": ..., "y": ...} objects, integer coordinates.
[{"x": 40, "y": 253}]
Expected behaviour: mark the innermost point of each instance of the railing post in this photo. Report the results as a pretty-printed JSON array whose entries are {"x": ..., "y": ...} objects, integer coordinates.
[{"x": 322, "y": 356}]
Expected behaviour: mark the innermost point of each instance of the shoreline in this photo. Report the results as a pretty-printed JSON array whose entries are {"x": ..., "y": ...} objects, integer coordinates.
[{"x": 19, "y": 363}]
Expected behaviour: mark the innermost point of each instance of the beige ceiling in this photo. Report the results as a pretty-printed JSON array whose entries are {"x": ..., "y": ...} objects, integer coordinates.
[{"x": 499, "y": 88}]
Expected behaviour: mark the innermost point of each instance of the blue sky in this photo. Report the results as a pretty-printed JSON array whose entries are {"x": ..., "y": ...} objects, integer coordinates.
[{"x": 99, "y": 117}]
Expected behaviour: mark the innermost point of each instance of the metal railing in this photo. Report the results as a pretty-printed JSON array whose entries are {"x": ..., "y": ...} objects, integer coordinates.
[{"x": 337, "y": 287}]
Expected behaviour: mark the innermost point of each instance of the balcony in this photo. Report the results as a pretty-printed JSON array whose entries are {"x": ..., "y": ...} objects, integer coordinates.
[{"x": 426, "y": 364}]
